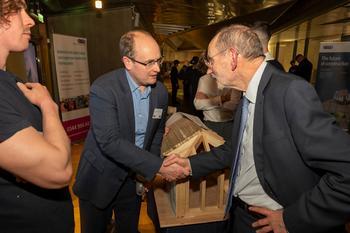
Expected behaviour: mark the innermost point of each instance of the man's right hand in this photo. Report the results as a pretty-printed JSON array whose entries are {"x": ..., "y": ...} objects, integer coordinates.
[
  {"x": 174, "y": 168},
  {"x": 36, "y": 93}
]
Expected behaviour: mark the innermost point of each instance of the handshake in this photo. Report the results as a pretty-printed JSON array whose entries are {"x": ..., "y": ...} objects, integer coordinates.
[{"x": 174, "y": 168}]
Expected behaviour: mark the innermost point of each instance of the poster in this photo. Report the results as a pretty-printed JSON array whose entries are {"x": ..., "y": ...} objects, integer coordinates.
[
  {"x": 73, "y": 81},
  {"x": 333, "y": 80}
]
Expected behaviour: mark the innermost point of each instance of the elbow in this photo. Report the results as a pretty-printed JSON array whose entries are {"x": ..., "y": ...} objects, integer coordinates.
[
  {"x": 65, "y": 177},
  {"x": 60, "y": 179}
]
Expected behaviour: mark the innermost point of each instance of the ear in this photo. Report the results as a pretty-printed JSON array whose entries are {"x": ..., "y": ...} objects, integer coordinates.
[
  {"x": 127, "y": 62},
  {"x": 234, "y": 58}
]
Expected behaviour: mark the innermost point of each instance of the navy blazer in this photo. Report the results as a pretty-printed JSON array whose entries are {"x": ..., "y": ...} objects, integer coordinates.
[
  {"x": 301, "y": 157},
  {"x": 110, "y": 153}
]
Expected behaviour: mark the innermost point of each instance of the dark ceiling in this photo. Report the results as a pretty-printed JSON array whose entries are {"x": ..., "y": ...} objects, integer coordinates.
[{"x": 189, "y": 24}]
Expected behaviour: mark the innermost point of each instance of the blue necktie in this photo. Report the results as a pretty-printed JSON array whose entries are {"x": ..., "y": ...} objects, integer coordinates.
[{"x": 234, "y": 167}]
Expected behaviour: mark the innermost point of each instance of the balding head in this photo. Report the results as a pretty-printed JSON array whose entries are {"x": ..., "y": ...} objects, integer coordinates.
[
  {"x": 240, "y": 37},
  {"x": 127, "y": 42}
]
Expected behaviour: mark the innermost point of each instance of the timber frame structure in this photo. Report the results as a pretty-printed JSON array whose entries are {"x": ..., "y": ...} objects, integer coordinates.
[{"x": 191, "y": 201}]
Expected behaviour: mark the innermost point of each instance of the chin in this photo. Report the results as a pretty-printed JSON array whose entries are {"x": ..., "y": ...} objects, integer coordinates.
[{"x": 152, "y": 80}]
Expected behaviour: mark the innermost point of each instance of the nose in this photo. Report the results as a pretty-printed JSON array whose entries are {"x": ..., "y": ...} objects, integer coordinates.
[
  {"x": 156, "y": 67},
  {"x": 27, "y": 20}
]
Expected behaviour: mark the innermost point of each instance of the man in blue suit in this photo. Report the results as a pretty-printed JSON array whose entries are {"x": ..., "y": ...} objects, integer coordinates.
[
  {"x": 128, "y": 109},
  {"x": 290, "y": 170}
]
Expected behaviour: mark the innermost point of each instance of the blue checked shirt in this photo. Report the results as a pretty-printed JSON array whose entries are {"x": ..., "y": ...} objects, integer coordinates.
[{"x": 141, "y": 110}]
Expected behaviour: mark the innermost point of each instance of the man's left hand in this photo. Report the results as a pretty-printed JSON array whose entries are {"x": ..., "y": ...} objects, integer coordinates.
[{"x": 273, "y": 221}]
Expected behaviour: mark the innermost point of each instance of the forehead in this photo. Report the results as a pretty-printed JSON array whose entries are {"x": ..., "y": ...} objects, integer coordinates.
[
  {"x": 212, "y": 46},
  {"x": 146, "y": 47}
]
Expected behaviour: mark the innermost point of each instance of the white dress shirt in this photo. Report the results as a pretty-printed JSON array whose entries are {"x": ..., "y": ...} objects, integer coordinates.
[{"x": 247, "y": 186}]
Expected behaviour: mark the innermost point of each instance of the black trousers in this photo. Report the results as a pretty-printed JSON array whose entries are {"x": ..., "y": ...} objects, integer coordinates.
[
  {"x": 174, "y": 88},
  {"x": 241, "y": 218},
  {"x": 126, "y": 207}
]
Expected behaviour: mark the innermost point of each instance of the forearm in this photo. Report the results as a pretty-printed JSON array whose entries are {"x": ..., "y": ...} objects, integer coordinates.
[
  {"x": 59, "y": 143},
  {"x": 41, "y": 158},
  {"x": 55, "y": 134},
  {"x": 208, "y": 103}
]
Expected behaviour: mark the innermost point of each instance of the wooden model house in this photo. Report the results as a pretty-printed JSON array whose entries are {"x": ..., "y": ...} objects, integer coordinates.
[{"x": 191, "y": 201}]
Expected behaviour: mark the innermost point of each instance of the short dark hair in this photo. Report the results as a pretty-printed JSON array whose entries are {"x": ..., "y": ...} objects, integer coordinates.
[
  {"x": 176, "y": 62},
  {"x": 298, "y": 56},
  {"x": 8, "y": 7}
]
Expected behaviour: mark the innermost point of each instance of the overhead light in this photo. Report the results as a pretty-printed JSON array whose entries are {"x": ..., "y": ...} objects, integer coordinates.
[{"x": 98, "y": 4}]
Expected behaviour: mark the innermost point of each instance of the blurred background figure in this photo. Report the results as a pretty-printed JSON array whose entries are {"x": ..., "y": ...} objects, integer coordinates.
[
  {"x": 293, "y": 67},
  {"x": 262, "y": 30},
  {"x": 218, "y": 105},
  {"x": 174, "y": 76},
  {"x": 192, "y": 75},
  {"x": 304, "y": 69}
]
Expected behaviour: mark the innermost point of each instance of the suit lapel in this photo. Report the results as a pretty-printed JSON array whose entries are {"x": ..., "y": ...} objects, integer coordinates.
[
  {"x": 259, "y": 123},
  {"x": 128, "y": 107}
]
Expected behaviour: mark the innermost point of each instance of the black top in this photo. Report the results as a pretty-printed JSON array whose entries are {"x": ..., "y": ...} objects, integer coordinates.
[
  {"x": 25, "y": 207},
  {"x": 304, "y": 69},
  {"x": 174, "y": 76}
]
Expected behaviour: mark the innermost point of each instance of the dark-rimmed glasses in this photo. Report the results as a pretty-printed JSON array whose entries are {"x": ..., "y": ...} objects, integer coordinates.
[{"x": 150, "y": 63}]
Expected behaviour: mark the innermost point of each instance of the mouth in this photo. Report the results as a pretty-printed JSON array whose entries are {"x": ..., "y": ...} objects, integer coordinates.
[{"x": 27, "y": 34}]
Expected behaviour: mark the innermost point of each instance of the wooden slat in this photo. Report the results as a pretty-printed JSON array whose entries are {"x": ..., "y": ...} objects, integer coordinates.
[
  {"x": 203, "y": 186},
  {"x": 221, "y": 193}
]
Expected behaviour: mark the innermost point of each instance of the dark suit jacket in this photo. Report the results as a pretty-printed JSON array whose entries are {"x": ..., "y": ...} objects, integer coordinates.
[
  {"x": 110, "y": 153},
  {"x": 302, "y": 158}
]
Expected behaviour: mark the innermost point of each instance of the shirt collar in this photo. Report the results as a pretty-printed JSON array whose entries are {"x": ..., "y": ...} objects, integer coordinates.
[
  {"x": 252, "y": 90},
  {"x": 268, "y": 56},
  {"x": 133, "y": 85}
]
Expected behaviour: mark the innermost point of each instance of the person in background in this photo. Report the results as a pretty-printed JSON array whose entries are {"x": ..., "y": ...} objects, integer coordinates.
[
  {"x": 293, "y": 67},
  {"x": 122, "y": 150},
  {"x": 290, "y": 163},
  {"x": 304, "y": 68},
  {"x": 262, "y": 30},
  {"x": 35, "y": 158},
  {"x": 218, "y": 105},
  {"x": 174, "y": 78}
]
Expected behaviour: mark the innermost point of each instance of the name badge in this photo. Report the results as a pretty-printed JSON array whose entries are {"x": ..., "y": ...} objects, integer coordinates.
[{"x": 157, "y": 114}]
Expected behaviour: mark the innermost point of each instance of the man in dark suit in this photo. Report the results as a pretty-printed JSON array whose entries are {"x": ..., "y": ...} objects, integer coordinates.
[
  {"x": 304, "y": 68},
  {"x": 128, "y": 109},
  {"x": 174, "y": 77},
  {"x": 290, "y": 171}
]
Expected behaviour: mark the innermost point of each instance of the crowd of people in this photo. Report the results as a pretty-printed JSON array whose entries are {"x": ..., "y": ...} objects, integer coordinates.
[{"x": 289, "y": 162}]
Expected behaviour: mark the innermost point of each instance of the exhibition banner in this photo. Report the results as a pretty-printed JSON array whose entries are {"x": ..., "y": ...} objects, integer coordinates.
[
  {"x": 73, "y": 82},
  {"x": 333, "y": 80}
]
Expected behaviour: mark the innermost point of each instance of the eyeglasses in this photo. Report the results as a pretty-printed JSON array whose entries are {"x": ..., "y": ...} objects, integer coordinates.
[
  {"x": 209, "y": 60},
  {"x": 150, "y": 63}
]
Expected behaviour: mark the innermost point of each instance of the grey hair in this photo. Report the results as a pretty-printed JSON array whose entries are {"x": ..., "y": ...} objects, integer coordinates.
[
  {"x": 127, "y": 42},
  {"x": 242, "y": 38}
]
